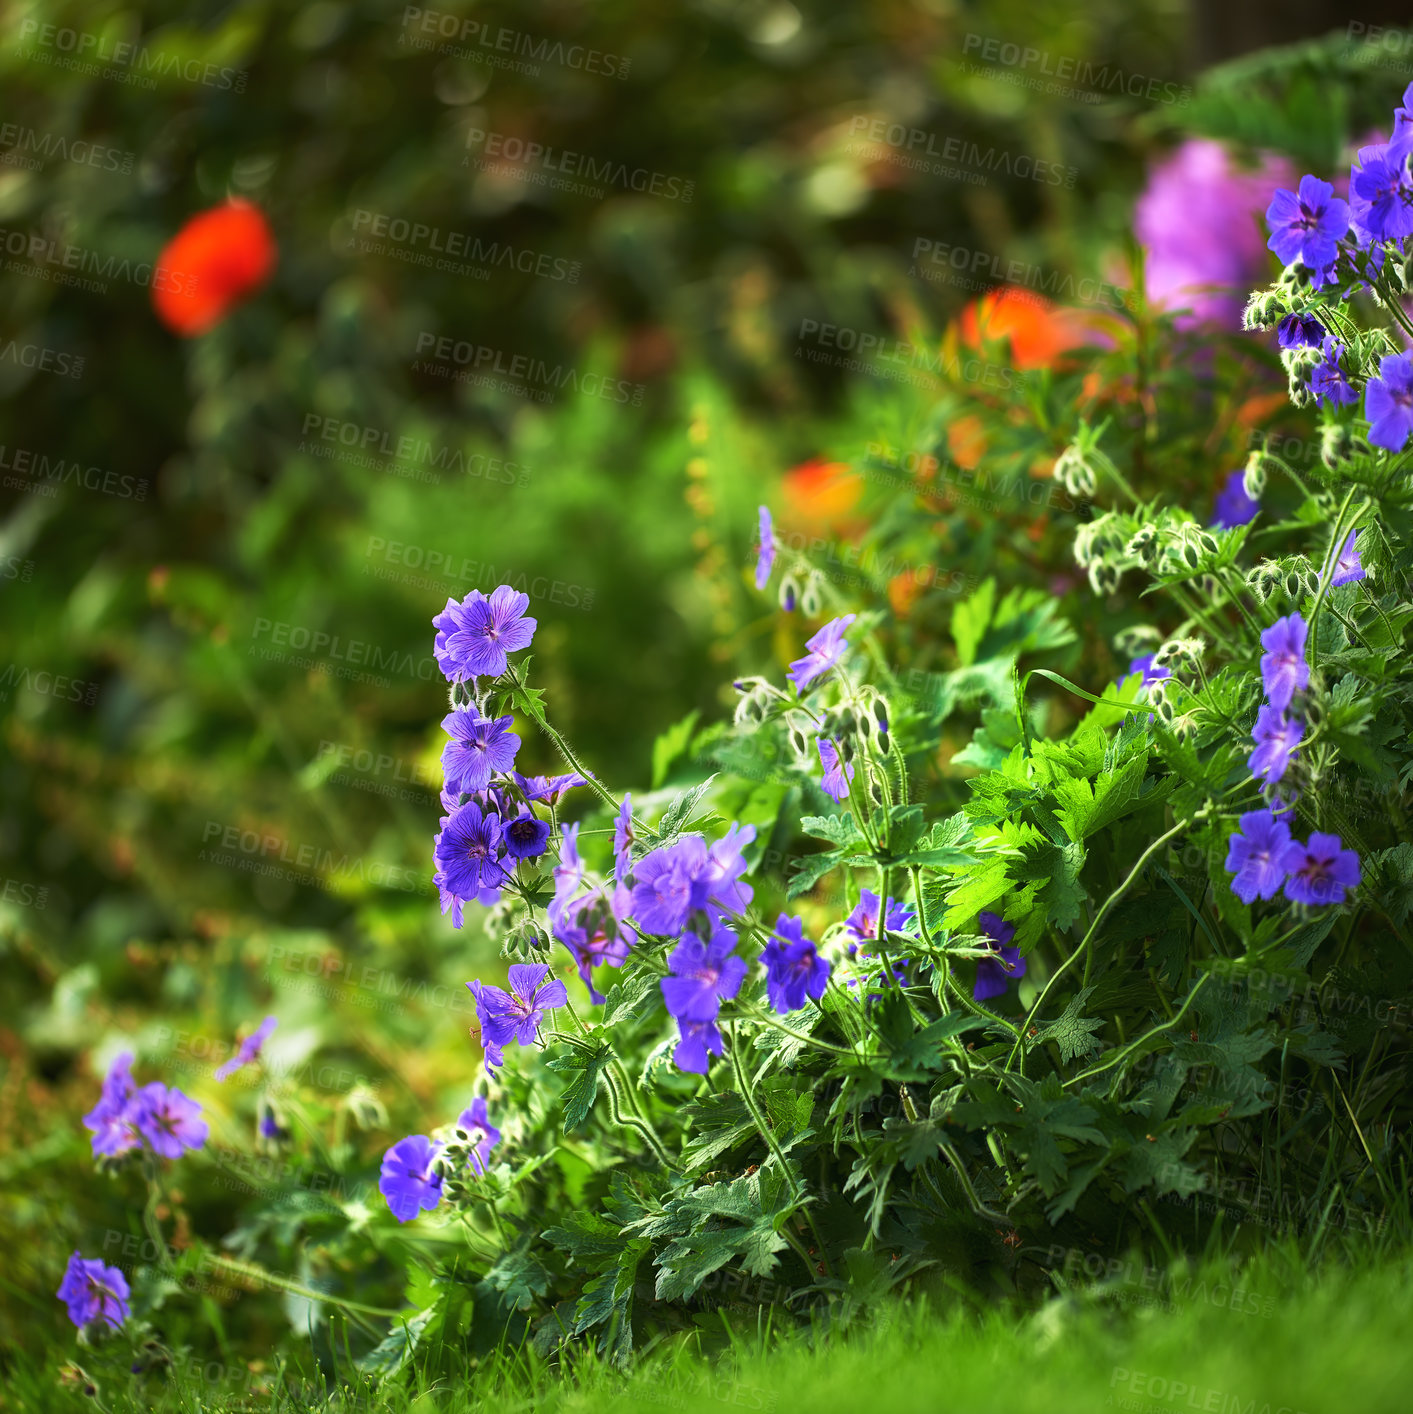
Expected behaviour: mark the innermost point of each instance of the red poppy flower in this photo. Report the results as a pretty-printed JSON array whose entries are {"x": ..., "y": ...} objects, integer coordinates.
[
  {"x": 211, "y": 264},
  {"x": 821, "y": 493}
]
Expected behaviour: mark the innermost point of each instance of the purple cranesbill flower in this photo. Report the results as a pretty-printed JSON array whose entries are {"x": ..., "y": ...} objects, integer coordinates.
[
  {"x": 721, "y": 884},
  {"x": 516, "y": 1015},
  {"x": 1320, "y": 871},
  {"x": 1256, "y": 854},
  {"x": 474, "y": 636},
  {"x": 1379, "y": 190},
  {"x": 168, "y": 1120},
  {"x": 624, "y": 838},
  {"x": 1151, "y": 672},
  {"x": 408, "y": 1180},
  {"x": 699, "y": 1040},
  {"x": 862, "y": 923},
  {"x": 450, "y": 903},
  {"x": 994, "y": 974},
  {"x": 568, "y": 872},
  {"x": 113, "y": 1119},
  {"x": 665, "y": 885},
  {"x": 592, "y": 928},
  {"x": 794, "y": 968},
  {"x": 1233, "y": 507},
  {"x": 1388, "y": 402},
  {"x": 765, "y": 554},
  {"x": 837, "y": 772},
  {"x": 484, "y": 1136},
  {"x": 1300, "y": 331},
  {"x": 1307, "y": 225},
  {"x": 1329, "y": 381},
  {"x": 467, "y": 852},
  {"x": 1346, "y": 566},
  {"x": 550, "y": 789},
  {"x": 526, "y": 836},
  {"x": 1276, "y": 737},
  {"x": 1284, "y": 670},
  {"x": 94, "y": 1292},
  {"x": 704, "y": 974},
  {"x": 479, "y": 747},
  {"x": 826, "y": 650},
  {"x": 249, "y": 1049}
]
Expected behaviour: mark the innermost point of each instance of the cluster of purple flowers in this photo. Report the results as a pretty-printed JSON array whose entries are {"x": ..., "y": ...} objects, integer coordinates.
[
  {"x": 1337, "y": 241},
  {"x": 861, "y": 927},
  {"x": 158, "y": 1116},
  {"x": 489, "y": 823},
  {"x": 414, "y": 1169},
  {"x": 592, "y": 920},
  {"x": 94, "y": 1293},
  {"x": 1284, "y": 672},
  {"x": 1265, "y": 859}
]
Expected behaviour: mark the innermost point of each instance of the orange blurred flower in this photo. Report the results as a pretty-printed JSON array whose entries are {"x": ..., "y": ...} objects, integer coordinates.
[
  {"x": 822, "y": 493},
  {"x": 211, "y": 264},
  {"x": 1039, "y": 332}
]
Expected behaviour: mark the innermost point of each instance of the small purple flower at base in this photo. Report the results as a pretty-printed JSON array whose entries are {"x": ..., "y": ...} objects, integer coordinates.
[
  {"x": 467, "y": 851},
  {"x": 765, "y": 554},
  {"x": 249, "y": 1049},
  {"x": 407, "y": 1179},
  {"x": 169, "y": 1121},
  {"x": 526, "y": 837},
  {"x": 1329, "y": 381},
  {"x": 836, "y": 782},
  {"x": 1320, "y": 871},
  {"x": 1284, "y": 670},
  {"x": 1256, "y": 854},
  {"x": 1276, "y": 737},
  {"x": 1306, "y": 226},
  {"x": 703, "y": 975},
  {"x": 1232, "y": 507},
  {"x": 700, "y": 1040},
  {"x": 826, "y": 650},
  {"x": 1388, "y": 402},
  {"x": 479, "y": 747},
  {"x": 1300, "y": 331},
  {"x": 1347, "y": 566},
  {"x": 794, "y": 968},
  {"x": 516, "y": 1015},
  {"x": 474, "y": 637},
  {"x": 862, "y": 923},
  {"x": 995, "y": 974},
  {"x": 94, "y": 1292},
  {"x": 484, "y": 1135}
]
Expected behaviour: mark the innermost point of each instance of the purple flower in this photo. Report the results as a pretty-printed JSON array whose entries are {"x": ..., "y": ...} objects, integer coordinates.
[
  {"x": 1328, "y": 380},
  {"x": 591, "y": 927},
  {"x": 1144, "y": 664},
  {"x": 1276, "y": 737},
  {"x": 703, "y": 975},
  {"x": 700, "y": 1039},
  {"x": 1198, "y": 221},
  {"x": 794, "y": 968},
  {"x": 526, "y": 836},
  {"x": 1307, "y": 226},
  {"x": 1284, "y": 670},
  {"x": 249, "y": 1048},
  {"x": 479, "y": 747},
  {"x": 665, "y": 885},
  {"x": 1256, "y": 854},
  {"x": 113, "y": 1119},
  {"x": 1320, "y": 871},
  {"x": 765, "y": 555},
  {"x": 474, "y": 636},
  {"x": 827, "y": 649},
  {"x": 492, "y": 1055},
  {"x": 94, "y": 1292},
  {"x": 1300, "y": 331},
  {"x": 862, "y": 923},
  {"x": 994, "y": 974},
  {"x": 551, "y": 789},
  {"x": 835, "y": 782},
  {"x": 568, "y": 872},
  {"x": 1388, "y": 402},
  {"x": 483, "y": 1135},
  {"x": 408, "y": 1180},
  {"x": 624, "y": 838},
  {"x": 1233, "y": 507},
  {"x": 516, "y": 1015},
  {"x": 168, "y": 1120},
  {"x": 1347, "y": 565},
  {"x": 1379, "y": 190},
  {"x": 726, "y": 863},
  {"x": 467, "y": 852}
]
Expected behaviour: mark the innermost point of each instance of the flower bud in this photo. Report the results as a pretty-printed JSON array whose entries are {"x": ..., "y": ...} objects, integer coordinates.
[
  {"x": 1253, "y": 480},
  {"x": 1136, "y": 639},
  {"x": 1074, "y": 473},
  {"x": 1336, "y": 443},
  {"x": 1144, "y": 546},
  {"x": 789, "y": 593},
  {"x": 812, "y": 600},
  {"x": 1104, "y": 578}
]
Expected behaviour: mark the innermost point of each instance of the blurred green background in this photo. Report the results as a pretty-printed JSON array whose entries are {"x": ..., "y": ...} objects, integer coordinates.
[{"x": 166, "y": 731}]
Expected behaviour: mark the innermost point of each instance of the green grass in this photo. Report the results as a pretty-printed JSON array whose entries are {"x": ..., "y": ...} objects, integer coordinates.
[{"x": 1326, "y": 1341}]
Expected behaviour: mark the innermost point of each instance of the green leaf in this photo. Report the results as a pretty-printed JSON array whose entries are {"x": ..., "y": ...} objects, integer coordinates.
[
  {"x": 837, "y": 829},
  {"x": 585, "y": 1066},
  {"x": 1073, "y": 1031},
  {"x": 400, "y": 1344},
  {"x": 671, "y": 744},
  {"x": 680, "y": 809},
  {"x": 970, "y": 620}
]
